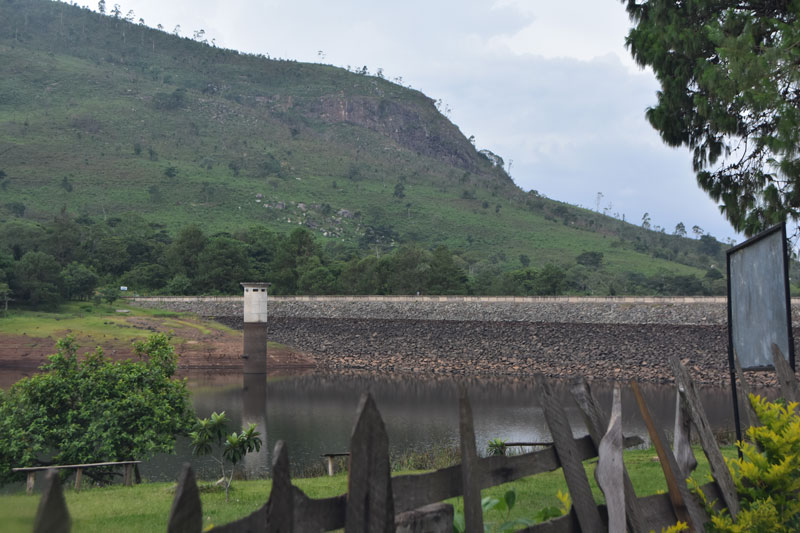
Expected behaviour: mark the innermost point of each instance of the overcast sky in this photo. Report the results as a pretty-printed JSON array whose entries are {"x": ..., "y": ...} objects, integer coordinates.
[{"x": 549, "y": 86}]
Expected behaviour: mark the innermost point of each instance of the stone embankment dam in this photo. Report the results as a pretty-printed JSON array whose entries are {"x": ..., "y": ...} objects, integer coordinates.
[{"x": 599, "y": 338}]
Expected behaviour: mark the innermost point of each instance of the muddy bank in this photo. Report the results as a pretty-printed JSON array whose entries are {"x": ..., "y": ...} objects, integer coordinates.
[{"x": 198, "y": 346}]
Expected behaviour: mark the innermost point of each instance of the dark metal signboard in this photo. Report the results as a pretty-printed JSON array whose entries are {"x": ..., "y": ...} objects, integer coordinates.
[
  {"x": 758, "y": 299},
  {"x": 759, "y": 308}
]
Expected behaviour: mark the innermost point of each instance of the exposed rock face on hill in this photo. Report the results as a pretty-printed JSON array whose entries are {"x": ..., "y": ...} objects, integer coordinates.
[{"x": 412, "y": 127}]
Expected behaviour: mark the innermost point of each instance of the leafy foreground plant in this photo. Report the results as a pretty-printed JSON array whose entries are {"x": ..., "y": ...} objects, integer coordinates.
[
  {"x": 94, "y": 410},
  {"x": 505, "y": 506},
  {"x": 211, "y": 432},
  {"x": 767, "y": 477},
  {"x": 496, "y": 447}
]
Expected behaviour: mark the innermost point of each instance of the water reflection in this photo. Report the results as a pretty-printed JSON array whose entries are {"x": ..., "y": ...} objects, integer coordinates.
[
  {"x": 254, "y": 411},
  {"x": 315, "y": 413}
]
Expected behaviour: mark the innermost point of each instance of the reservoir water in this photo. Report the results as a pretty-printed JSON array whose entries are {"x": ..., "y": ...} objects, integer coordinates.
[{"x": 314, "y": 413}]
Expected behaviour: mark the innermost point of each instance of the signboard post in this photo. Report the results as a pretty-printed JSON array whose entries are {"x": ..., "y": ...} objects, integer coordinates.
[{"x": 759, "y": 307}]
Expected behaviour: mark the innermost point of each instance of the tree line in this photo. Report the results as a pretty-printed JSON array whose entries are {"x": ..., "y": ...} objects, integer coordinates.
[{"x": 79, "y": 258}]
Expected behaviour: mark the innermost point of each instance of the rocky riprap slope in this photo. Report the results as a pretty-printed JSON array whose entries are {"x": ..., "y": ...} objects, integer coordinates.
[{"x": 600, "y": 339}]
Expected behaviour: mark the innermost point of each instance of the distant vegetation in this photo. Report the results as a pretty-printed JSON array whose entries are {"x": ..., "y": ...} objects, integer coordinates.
[
  {"x": 68, "y": 258},
  {"x": 101, "y": 117}
]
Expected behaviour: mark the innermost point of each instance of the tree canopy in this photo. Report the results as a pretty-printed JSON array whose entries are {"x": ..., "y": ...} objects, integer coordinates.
[
  {"x": 729, "y": 91},
  {"x": 94, "y": 410}
]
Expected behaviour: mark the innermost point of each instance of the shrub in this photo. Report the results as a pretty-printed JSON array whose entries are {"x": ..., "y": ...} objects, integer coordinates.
[
  {"x": 94, "y": 410},
  {"x": 213, "y": 432},
  {"x": 767, "y": 477}
]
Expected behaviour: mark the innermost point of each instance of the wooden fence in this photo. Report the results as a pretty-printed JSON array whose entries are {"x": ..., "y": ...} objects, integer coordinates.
[{"x": 378, "y": 502}]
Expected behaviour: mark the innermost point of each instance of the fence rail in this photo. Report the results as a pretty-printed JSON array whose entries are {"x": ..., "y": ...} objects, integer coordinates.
[
  {"x": 127, "y": 477},
  {"x": 377, "y": 502}
]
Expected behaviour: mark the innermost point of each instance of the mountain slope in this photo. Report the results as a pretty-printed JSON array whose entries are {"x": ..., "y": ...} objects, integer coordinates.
[{"x": 100, "y": 116}]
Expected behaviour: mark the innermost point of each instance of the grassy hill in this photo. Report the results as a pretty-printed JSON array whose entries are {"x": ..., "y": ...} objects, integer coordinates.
[{"x": 100, "y": 116}]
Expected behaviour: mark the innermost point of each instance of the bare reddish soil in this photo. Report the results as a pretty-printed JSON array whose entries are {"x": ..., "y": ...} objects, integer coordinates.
[{"x": 197, "y": 347}]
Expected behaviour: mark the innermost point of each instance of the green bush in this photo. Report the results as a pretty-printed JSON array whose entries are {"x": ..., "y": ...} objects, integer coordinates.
[
  {"x": 767, "y": 477},
  {"x": 210, "y": 433},
  {"x": 94, "y": 410}
]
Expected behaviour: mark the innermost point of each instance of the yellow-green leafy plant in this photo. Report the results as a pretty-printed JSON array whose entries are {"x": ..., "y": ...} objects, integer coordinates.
[
  {"x": 676, "y": 528},
  {"x": 767, "y": 477}
]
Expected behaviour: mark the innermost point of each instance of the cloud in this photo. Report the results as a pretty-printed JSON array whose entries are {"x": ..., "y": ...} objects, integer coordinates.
[{"x": 546, "y": 85}]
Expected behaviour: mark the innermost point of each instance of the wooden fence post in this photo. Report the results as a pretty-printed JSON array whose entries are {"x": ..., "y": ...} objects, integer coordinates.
[
  {"x": 786, "y": 378},
  {"x": 681, "y": 440},
  {"x": 280, "y": 506},
  {"x": 470, "y": 476},
  {"x": 596, "y": 421},
  {"x": 575, "y": 475},
  {"x": 127, "y": 477},
  {"x": 370, "y": 505},
  {"x": 52, "y": 515},
  {"x": 685, "y": 507},
  {"x": 433, "y": 518},
  {"x": 609, "y": 470},
  {"x": 78, "y": 476},
  {"x": 750, "y": 414},
  {"x": 719, "y": 470},
  {"x": 186, "y": 514}
]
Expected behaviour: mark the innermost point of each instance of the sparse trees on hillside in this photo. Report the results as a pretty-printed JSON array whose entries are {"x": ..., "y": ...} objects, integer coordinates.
[
  {"x": 79, "y": 281},
  {"x": 38, "y": 279}
]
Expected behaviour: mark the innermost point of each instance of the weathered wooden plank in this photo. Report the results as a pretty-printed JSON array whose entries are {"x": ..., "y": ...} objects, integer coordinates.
[
  {"x": 57, "y": 467},
  {"x": 433, "y": 518},
  {"x": 719, "y": 470},
  {"x": 786, "y": 378},
  {"x": 255, "y": 522},
  {"x": 318, "y": 515},
  {"x": 659, "y": 511},
  {"x": 29, "y": 483},
  {"x": 681, "y": 440},
  {"x": 470, "y": 472},
  {"x": 574, "y": 473},
  {"x": 686, "y": 508},
  {"x": 751, "y": 418},
  {"x": 280, "y": 506},
  {"x": 415, "y": 490},
  {"x": 52, "y": 515},
  {"x": 563, "y": 524},
  {"x": 657, "y": 508},
  {"x": 186, "y": 514},
  {"x": 609, "y": 470},
  {"x": 370, "y": 506},
  {"x": 595, "y": 420}
]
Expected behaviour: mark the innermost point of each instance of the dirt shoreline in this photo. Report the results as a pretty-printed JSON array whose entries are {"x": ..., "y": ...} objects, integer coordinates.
[{"x": 198, "y": 347}]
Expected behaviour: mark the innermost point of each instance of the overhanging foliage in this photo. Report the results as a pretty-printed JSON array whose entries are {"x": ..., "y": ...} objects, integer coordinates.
[{"x": 729, "y": 91}]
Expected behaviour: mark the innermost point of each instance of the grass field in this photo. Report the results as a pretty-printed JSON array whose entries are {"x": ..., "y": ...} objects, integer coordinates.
[
  {"x": 146, "y": 507},
  {"x": 99, "y": 321}
]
